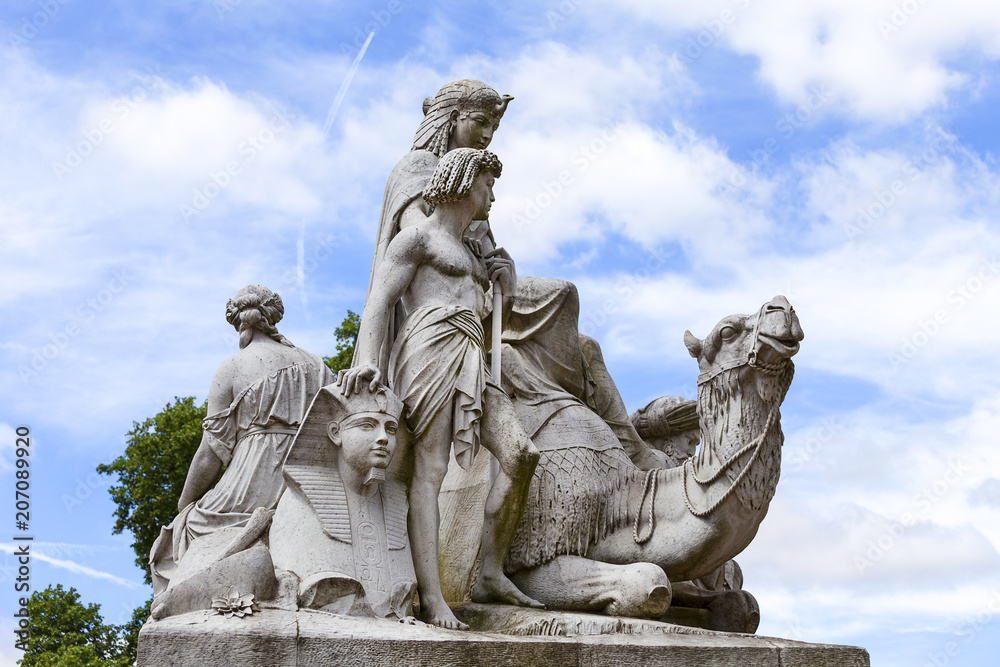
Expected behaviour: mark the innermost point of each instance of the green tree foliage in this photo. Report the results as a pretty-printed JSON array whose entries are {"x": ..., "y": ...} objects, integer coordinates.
[
  {"x": 63, "y": 632},
  {"x": 347, "y": 337},
  {"x": 152, "y": 471}
]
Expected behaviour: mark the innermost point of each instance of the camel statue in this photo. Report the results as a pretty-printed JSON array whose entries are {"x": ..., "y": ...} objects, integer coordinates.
[{"x": 599, "y": 533}]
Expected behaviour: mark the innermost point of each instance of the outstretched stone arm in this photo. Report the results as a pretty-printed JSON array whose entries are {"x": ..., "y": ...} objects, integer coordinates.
[
  {"x": 204, "y": 470},
  {"x": 206, "y": 464},
  {"x": 402, "y": 258}
]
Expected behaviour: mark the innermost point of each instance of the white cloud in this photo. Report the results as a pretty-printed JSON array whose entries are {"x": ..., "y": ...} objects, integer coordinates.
[
  {"x": 890, "y": 262},
  {"x": 884, "y": 61},
  {"x": 111, "y": 280},
  {"x": 650, "y": 181},
  {"x": 8, "y": 439},
  {"x": 582, "y": 159},
  {"x": 71, "y": 566},
  {"x": 152, "y": 145},
  {"x": 873, "y": 514}
]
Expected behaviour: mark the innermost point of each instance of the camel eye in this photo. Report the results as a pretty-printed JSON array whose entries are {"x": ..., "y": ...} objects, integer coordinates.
[{"x": 728, "y": 332}]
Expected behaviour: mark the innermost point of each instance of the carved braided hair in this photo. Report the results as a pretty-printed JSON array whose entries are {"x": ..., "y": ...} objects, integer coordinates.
[
  {"x": 456, "y": 172},
  {"x": 256, "y": 308}
]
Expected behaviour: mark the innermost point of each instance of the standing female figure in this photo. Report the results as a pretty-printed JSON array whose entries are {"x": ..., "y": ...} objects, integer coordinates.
[{"x": 258, "y": 398}]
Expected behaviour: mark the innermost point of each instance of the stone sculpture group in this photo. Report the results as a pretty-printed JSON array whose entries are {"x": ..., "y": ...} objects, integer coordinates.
[{"x": 352, "y": 494}]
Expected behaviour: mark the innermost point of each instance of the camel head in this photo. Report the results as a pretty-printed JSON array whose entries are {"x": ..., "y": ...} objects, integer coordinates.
[
  {"x": 746, "y": 368},
  {"x": 767, "y": 339}
]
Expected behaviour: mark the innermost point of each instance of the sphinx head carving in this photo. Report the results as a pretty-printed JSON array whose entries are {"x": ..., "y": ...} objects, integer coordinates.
[{"x": 356, "y": 433}]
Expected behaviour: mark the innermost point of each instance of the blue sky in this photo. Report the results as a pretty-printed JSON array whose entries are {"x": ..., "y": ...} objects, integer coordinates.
[{"x": 840, "y": 152}]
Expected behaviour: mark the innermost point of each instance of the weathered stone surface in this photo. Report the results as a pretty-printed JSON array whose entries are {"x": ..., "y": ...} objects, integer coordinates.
[
  {"x": 591, "y": 507},
  {"x": 462, "y": 501},
  {"x": 437, "y": 365},
  {"x": 207, "y": 638},
  {"x": 340, "y": 526},
  {"x": 604, "y": 525},
  {"x": 256, "y": 403},
  {"x": 280, "y": 638}
]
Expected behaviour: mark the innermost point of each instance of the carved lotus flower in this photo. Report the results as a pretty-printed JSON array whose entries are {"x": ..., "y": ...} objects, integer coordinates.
[{"x": 235, "y": 604}]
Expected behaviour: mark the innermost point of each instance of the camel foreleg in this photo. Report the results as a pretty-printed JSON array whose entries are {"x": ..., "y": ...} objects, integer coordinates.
[
  {"x": 574, "y": 583},
  {"x": 727, "y": 611}
]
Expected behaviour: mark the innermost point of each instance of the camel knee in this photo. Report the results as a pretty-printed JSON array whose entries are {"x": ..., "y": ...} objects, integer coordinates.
[
  {"x": 647, "y": 574},
  {"x": 517, "y": 456},
  {"x": 642, "y": 591},
  {"x": 527, "y": 454}
]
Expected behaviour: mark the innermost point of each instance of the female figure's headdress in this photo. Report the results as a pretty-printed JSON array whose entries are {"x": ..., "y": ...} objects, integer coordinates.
[{"x": 453, "y": 101}]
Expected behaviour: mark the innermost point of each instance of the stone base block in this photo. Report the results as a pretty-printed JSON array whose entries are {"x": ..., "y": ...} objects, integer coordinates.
[{"x": 501, "y": 636}]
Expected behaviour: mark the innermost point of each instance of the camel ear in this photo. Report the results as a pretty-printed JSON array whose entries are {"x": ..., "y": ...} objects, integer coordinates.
[{"x": 693, "y": 344}]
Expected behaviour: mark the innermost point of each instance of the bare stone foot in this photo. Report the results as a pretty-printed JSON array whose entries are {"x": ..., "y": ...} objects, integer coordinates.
[
  {"x": 159, "y": 609},
  {"x": 501, "y": 589},
  {"x": 258, "y": 523},
  {"x": 443, "y": 618}
]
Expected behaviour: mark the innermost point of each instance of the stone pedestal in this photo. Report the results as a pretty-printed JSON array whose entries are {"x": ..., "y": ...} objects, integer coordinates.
[{"x": 502, "y": 636}]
